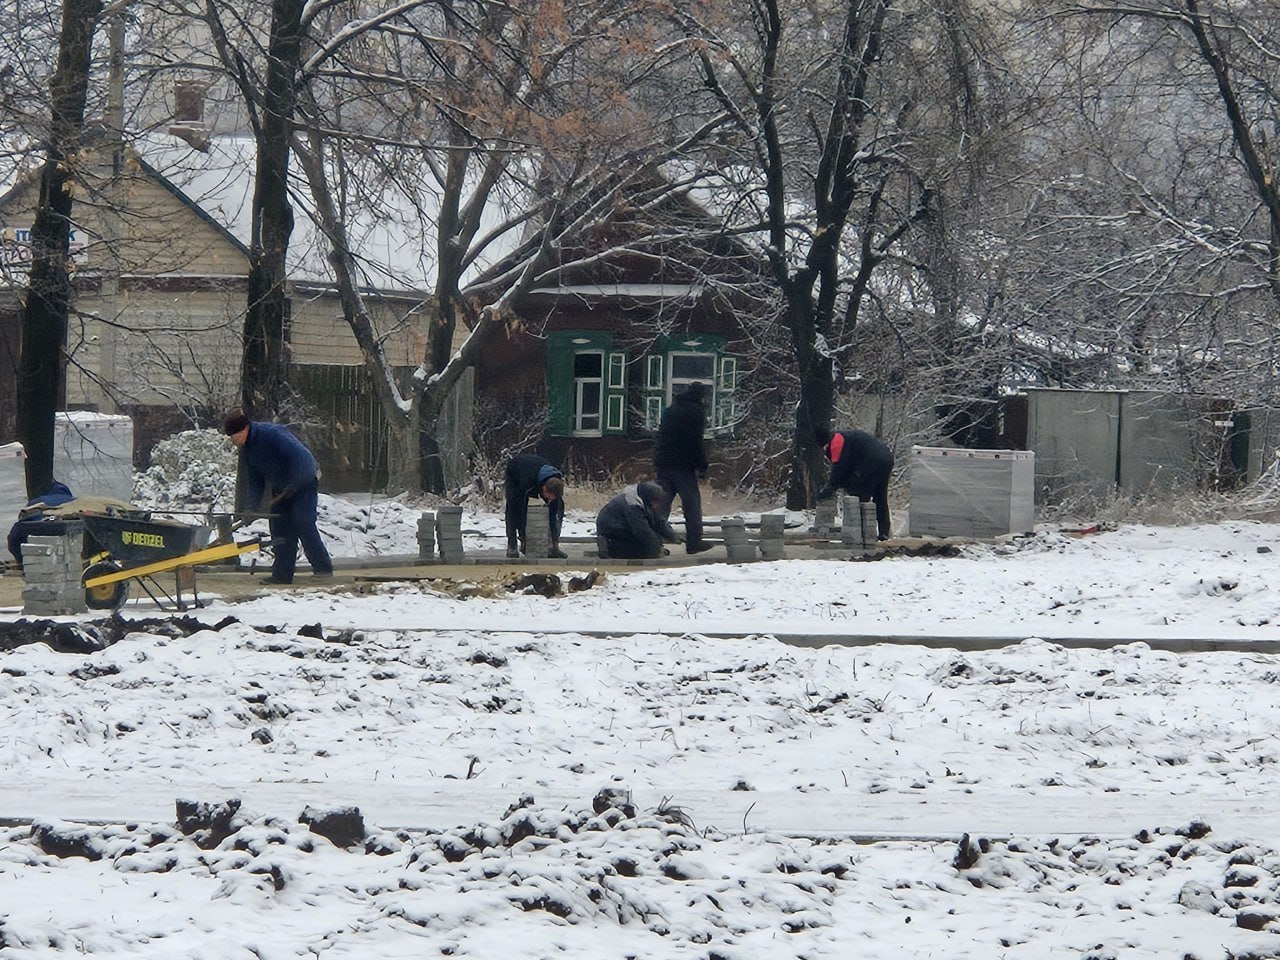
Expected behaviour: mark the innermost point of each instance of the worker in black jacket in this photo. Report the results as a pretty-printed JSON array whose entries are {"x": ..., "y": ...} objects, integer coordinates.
[
  {"x": 529, "y": 475},
  {"x": 860, "y": 466},
  {"x": 680, "y": 460},
  {"x": 632, "y": 526}
]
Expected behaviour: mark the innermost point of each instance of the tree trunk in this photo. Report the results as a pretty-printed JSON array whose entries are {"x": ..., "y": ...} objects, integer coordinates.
[
  {"x": 815, "y": 405},
  {"x": 44, "y": 319},
  {"x": 430, "y": 405},
  {"x": 264, "y": 367},
  {"x": 435, "y": 393}
]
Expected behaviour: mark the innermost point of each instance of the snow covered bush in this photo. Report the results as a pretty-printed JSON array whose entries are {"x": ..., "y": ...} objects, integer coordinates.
[{"x": 192, "y": 470}]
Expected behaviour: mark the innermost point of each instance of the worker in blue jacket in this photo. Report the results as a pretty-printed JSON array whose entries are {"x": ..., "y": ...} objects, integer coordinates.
[
  {"x": 277, "y": 463},
  {"x": 32, "y": 516}
]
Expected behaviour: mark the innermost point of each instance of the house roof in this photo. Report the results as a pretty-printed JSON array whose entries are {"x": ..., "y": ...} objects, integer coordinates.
[
  {"x": 615, "y": 291},
  {"x": 392, "y": 249},
  {"x": 393, "y": 235}
]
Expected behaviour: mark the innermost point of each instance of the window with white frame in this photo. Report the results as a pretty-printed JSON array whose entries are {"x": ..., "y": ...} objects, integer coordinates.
[
  {"x": 676, "y": 363},
  {"x": 588, "y": 393},
  {"x": 586, "y": 384}
]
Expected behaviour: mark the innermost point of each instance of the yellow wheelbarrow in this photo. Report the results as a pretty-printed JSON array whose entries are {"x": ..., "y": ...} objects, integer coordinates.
[{"x": 120, "y": 550}]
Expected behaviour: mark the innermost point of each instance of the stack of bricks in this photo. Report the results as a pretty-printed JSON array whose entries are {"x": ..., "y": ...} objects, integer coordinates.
[
  {"x": 537, "y": 532},
  {"x": 427, "y": 536},
  {"x": 52, "y": 568},
  {"x": 771, "y": 541},
  {"x": 736, "y": 543},
  {"x": 449, "y": 533}
]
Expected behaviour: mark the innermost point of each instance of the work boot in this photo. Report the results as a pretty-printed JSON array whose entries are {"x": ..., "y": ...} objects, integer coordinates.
[
  {"x": 557, "y": 554},
  {"x": 702, "y": 547},
  {"x": 513, "y": 553}
]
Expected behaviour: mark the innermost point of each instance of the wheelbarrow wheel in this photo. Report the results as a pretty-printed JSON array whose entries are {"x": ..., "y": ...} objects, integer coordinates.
[{"x": 107, "y": 596}]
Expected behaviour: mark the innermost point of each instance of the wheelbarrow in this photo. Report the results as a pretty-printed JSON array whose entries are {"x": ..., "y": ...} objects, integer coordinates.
[{"x": 132, "y": 548}]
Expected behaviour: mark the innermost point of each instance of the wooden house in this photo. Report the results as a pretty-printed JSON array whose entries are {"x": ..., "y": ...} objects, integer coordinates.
[
  {"x": 161, "y": 258},
  {"x": 597, "y": 357}
]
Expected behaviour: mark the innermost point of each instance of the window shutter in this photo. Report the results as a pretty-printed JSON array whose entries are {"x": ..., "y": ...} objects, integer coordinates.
[
  {"x": 655, "y": 389},
  {"x": 652, "y": 411},
  {"x": 615, "y": 395},
  {"x": 653, "y": 377},
  {"x": 560, "y": 384},
  {"x": 726, "y": 389},
  {"x": 728, "y": 374}
]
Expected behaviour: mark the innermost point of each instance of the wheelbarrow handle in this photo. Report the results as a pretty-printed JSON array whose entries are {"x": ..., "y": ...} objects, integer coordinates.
[{"x": 226, "y": 525}]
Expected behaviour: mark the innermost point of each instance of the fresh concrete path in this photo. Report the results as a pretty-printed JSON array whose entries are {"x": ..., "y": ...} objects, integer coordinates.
[{"x": 935, "y": 814}]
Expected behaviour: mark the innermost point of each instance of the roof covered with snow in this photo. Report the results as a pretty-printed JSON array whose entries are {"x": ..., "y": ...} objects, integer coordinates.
[{"x": 393, "y": 235}]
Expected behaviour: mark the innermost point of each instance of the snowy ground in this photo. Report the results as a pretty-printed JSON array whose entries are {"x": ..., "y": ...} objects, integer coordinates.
[{"x": 766, "y": 800}]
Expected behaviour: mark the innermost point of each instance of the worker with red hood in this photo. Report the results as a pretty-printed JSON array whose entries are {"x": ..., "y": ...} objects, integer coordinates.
[{"x": 860, "y": 466}]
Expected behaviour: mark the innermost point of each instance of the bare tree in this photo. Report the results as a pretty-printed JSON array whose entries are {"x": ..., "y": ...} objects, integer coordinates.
[
  {"x": 1160, "y": 236},
  {"x": 847, "y": 130},
  {"x": 510, "y": 129},
  {"x": 269, "y": 92}
]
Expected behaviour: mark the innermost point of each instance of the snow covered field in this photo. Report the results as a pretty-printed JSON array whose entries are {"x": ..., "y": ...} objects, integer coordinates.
[{"x": 529, "y": 790}]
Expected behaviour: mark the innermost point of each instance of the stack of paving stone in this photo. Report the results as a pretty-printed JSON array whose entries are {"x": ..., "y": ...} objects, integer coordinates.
[
  {"x": 772, "y": 526},
  {"x": 737, "y": 544},
  {"x": 824, "y": 517},
  {"x": 449, "y": 533},
  {"x": 537, "y": 532},
  {"x": 52, "y": 567},
  {"x": 858, "y": 523},
  {"x": 427, "y": 536}
]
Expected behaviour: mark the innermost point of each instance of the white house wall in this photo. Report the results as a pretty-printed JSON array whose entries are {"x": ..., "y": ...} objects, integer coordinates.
[{"x": 179, "y": 348}]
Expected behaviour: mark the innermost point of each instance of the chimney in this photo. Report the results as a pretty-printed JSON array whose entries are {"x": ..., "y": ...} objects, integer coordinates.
[{"x": 188, "y": 113}]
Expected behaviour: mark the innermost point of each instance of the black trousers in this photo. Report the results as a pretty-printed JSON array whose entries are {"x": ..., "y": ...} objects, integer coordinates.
[
  {"x": 628, "y": 548},
  {"x": 682, "y": 482}
]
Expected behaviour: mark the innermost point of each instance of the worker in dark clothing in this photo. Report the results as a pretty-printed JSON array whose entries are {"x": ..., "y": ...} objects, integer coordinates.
[
  {"x": 680, "y": 460},
  {"x": 860, "y": 466},
  {"x": 278, "y": 463},
  {"x": 528, "y": 476},
  {"x": 33, "y": 515},
  {"x": 631, "y": 526}
]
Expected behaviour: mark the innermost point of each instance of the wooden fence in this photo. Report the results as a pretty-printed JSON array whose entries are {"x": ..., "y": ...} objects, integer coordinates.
[{"x": 345, "y": 425}]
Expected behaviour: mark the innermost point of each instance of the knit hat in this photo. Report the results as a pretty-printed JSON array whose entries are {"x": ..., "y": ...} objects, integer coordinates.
[{"x": 236, "y": 421}]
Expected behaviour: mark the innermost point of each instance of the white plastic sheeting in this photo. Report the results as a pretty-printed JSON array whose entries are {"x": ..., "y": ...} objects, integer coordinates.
[
  {"x": 13, "y": 484},
  {"x": 971, "y": 493},
  {"x": 93, "y": 454}
]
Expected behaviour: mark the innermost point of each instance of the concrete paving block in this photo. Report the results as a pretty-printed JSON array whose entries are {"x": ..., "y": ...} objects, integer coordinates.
[
  {"x": 824, "y": 517},
  {"x": 537, "y": 533},
  {"x": 736, "y": 543}
]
